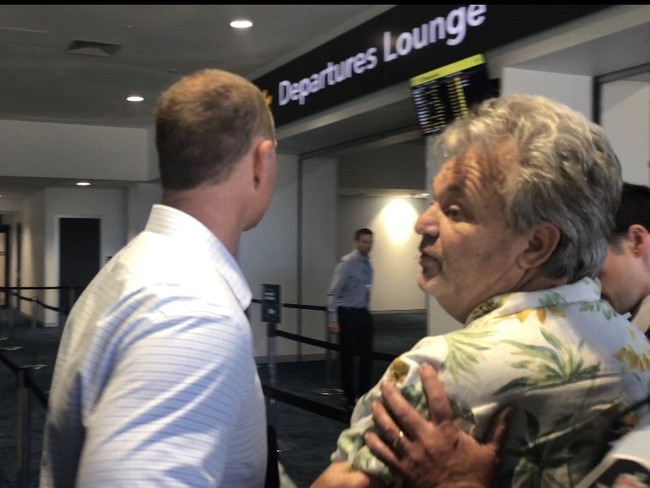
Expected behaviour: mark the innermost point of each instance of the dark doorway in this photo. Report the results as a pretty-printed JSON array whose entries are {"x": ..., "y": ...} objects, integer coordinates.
[{"x": 79, "y": 251}]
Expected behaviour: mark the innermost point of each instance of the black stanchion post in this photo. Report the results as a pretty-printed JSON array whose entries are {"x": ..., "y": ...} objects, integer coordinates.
[
  {"x": 8, "y": 316},
  {"x": 14, "y": 314},
  {"x": 328, "y": 355},
  {"x": 34, "y": 309},
  {"x": 71, "y": 297},
  {"x": 22, "y": 431},
  {"x": 271, "y": 348},
  {"x": 271, "y": 336},
  {"x": 328, "y": 390},
  {"x": 272, "y": 316}
]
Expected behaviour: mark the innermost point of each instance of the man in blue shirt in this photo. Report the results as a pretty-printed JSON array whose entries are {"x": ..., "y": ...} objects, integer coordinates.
[{"x": 348, "y": 315}]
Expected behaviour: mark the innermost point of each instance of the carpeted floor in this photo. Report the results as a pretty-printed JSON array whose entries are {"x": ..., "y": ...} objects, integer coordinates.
[{"x": 305, "y": 438}]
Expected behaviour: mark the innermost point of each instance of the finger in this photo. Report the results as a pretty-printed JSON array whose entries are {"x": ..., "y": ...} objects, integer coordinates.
[
  {"x": 380, "y": 449},
  {"x": 384, "y": 421},
  {"x": 439, "y": 408},
  {"x": 498, "y": 427},
  {"x": 404, "y": 415}
]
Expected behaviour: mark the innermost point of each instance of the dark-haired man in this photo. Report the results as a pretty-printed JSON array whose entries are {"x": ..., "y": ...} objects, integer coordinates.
[
  {"x": 348, "y": 305},
  {"x": 625, "y": 275}
]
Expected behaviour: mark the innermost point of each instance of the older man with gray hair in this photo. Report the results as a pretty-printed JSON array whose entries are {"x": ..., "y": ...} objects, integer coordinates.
[{"x": 511, "y": 247}]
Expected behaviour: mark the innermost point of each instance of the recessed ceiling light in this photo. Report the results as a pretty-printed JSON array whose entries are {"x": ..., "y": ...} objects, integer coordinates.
[
  {"x": 135, "y": 98},
  {"x": 83, "y": 183},
  {"x": 241, "y": 24}
]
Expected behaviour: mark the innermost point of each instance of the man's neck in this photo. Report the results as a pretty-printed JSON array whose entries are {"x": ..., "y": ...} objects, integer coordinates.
[{"x": 206, "y": 205}]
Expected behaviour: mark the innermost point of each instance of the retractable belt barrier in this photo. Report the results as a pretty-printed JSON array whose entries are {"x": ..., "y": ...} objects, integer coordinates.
[
  {"x": 271, "y": 311},
  {"x": 26, "y": 386}
]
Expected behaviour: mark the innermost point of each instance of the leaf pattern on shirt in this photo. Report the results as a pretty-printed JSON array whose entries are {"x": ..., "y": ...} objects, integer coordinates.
[
  {"x": 541, "y": 455},
  {"x": 632, "y": 360},
  {"x": 565, "y": 389},
  {"x": 465, "y": 351},
  {"x": 601, "y": 306},
  {"x": 549, "y": 302},
  {"x": 540, "y": 313},
  {"x": 552, "y": 299},
  {"x": 556, "y": 364}
]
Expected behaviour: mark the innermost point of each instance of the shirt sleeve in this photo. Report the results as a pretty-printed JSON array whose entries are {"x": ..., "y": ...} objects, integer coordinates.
[
  {"x": 339, "y": 280},
  {"x": 403, "y": 373}
]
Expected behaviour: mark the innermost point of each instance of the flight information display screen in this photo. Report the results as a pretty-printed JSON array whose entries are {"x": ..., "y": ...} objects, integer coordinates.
[{"x": 446, "y": 93}]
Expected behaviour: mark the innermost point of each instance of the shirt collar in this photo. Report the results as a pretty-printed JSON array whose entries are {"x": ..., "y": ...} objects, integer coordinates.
[
  {"x": 198, "y": 238},
  {"x": 584, "y": 290}
]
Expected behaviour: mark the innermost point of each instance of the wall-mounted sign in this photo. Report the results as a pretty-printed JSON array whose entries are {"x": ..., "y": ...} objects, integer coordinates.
[{"x": 397, "y": 45}]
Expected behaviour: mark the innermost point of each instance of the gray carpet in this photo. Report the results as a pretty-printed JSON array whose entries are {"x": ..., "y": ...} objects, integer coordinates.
[{"x": 305, "y": 439}]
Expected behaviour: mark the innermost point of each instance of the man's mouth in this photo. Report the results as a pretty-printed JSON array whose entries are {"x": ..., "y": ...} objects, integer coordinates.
[
  {"x": 426, "y": 241},
  {"x": 430, "y": 264}
]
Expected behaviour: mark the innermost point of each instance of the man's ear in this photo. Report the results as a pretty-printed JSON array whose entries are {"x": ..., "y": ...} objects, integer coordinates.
[
  {"x": 639, "y": 239},
  {"x": 542, "y": 241},
  {"x": 262, "y": 158}
]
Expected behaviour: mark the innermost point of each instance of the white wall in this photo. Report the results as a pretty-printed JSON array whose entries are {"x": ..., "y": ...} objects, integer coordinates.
[
  {"x": 572, "y": 90},
  {"x": 318, "y": 222},
  {"x": 32, "y": 218},
  {"x": 625, "y": 111},
  {"x": 394, "y": 250},
  {"x": 107, "y": 205},
  {"x": 267, "y": 253},
  {"x": 75, "y": 151},
  {"x": 9, "y": 205},
  {"x": 626, "y": 119},
  {"x": 140, "y": 198}
]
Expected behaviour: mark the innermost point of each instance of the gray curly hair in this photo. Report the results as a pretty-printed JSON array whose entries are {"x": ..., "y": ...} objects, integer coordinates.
[{"x": 567, "y": 175}]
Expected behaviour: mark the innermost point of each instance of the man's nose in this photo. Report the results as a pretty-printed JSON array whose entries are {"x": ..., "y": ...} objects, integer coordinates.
[{"x": 427, "y": 222}]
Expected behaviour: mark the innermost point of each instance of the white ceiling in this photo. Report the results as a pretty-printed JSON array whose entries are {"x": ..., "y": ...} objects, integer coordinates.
[
  {"x": 149, "y": 47},
  {"x": 144, "y": 48}
]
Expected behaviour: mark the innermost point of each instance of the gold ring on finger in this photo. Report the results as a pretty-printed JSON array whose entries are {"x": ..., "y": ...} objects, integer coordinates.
[{"x": 398, "y": 439}]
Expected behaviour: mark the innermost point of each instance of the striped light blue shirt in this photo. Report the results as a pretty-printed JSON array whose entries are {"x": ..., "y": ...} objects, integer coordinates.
[
  {"x": 155, "y": 382},
  {"x": 350, "y": 285}
]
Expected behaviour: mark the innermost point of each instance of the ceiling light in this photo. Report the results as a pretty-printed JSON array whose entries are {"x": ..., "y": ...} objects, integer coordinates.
[
  {"x": 135, "y": 98},
  {"x": 82, "y": 183},
  {"x": 241, "y": 24}
]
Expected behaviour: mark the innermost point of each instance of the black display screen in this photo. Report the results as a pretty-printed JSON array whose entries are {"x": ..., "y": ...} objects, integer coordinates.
[{"x": 446, "y": 93}]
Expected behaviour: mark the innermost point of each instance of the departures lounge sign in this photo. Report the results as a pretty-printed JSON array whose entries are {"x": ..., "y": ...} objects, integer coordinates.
[{"x": 397, "y": 45}]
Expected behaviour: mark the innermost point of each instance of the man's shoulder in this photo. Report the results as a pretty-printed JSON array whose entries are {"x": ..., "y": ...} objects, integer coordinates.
[
  {"x": 348, "y": 256},
  {"x": 352, "y": 257}
]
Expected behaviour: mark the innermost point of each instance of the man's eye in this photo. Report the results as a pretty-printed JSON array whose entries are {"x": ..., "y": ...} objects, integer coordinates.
[{"x": 453, "y": 212}]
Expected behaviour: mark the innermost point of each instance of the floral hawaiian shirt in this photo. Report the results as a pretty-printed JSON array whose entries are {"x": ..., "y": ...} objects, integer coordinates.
[{"x": 567, "y": 361}]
